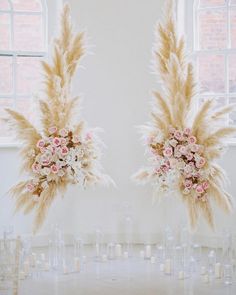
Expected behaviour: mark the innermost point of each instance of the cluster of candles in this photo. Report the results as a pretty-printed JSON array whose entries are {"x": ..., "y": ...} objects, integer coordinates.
[{"x": 178, "y": 258}]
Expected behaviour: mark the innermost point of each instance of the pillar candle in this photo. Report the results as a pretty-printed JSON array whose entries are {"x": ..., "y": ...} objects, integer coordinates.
[
  {"x": 118, "y": 250},
  {"x": 168, "y": 266},
  {"x": 181, "y": 275},
  {"x": 162, "y": 267},
  {"x": 218, "y": 270},
  {"x": 126, "y": 255},
  {"x": 206, "y": 279},
  {"x": 203, "y": 270},
  {"x": 153, "y": 259},
  {"x": 148, "y": 251},
  {"x": 141, "y": 254},
  {"x": 26, "y": 267},
  {"x": 77, "y": 264}
]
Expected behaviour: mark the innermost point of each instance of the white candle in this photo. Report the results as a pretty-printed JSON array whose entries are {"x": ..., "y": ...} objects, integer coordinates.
[
  {"x": 168, "y": 266},
  {"x": 203, "y": 270},
  {"x": 42, "y": 256},
  {"x": 181, "y": 275},
  {"x": 33, "y": 260},
  {"x": 148, "y": 251},
  {"x": 104, "y": 258},
  {"x": 26, "y": 267},
  {"x": 141, "y": 254},
  {"x": 22, "y": 275},
  {"x": 206, "y": 278},
  {"x": 218, "y": 270},
  {"x": 65, "y": 270},
  {"x": 162, "y": 267},
  {"x": 47, "y": 266},
  {"x": 118, "y": 250},
  {"x": 153, "y": 260},
  {"x": 84, "y": 258},
  {"x": 126, "y": 255},
  {"x": 77, "y": 264}
]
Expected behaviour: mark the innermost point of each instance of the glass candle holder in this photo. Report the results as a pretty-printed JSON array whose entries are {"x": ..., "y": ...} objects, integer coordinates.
[
  {"x": 228, "y": 274},
  {"x": 98, "y": 245},
  {"x": 111, "y": 251}
]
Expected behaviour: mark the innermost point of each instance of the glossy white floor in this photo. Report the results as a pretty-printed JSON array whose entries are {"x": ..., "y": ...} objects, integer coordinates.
[{"x": 133, "y": 276}]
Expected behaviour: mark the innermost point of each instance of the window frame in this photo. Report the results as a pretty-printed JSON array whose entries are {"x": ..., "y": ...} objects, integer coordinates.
[
  {"x": 191, "y": 9},
  {"x": 8, "y": 141}
]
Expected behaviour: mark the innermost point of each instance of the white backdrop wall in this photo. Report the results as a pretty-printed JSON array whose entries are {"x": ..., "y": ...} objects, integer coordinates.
[{"x": 115, "y": 82}]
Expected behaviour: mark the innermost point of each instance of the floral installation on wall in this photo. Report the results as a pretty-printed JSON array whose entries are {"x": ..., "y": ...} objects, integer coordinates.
[
  {"x": 63, "y": 151},
  {"x": 183, "y": 141}
]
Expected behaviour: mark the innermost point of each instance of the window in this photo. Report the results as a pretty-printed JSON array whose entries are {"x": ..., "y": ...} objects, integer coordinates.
[
  {"x": 23, "y": 43},
  {"x": 214, "y": 47}
]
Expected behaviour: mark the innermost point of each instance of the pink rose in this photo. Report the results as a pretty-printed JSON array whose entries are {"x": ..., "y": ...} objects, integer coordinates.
[
  {"x": 42, "y": 150},
  {"x": 56, "y": 141},
  {"x": 64, "y": 150},
  {"x": 63, "y": 141},
  {"x": 194, "y": 148},
  {"x": 54, "y": 169},
  {"x": 40, "y": 143},
  {"x": 88, "y": 136},
  {"x": 157, "y": 170},
  {"x": 189, "y": 156},
  {"x": 30, "y": 187},
  {"x": 168, "y": 152},
  {"x": 205, "y": 185},
  {"x": 188, "y": 183},
  {"x": 177, "y": 154},
  {"x": 36, "y": 167},
  {"x": 182, "y": 150},
  {"x": 44, "y": 160},
  {"x": 63, "y": 132},
  {"x": 199, "y": 189},
  {"x": 201, "y": 162},
  {"x": 178, "y": 135},
  {"x": 52, "y": 130},
  {"x": 52, "y": 149},
  {"x": 76, "y": 139},
  {"x": 187, "y": 131},
  {"x": 192, "y": 139},
  {"x": 165, "y": 168}
]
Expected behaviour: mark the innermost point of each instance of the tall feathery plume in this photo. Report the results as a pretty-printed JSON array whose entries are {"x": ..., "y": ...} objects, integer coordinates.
[
  {"x": 62, "y": 151},
  {"x": 183, "y": 142}
]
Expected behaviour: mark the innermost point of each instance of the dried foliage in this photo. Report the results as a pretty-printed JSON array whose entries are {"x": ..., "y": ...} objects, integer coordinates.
[
  {"x": 63, "y": 151},
  {"x": 176, "y": 109}
]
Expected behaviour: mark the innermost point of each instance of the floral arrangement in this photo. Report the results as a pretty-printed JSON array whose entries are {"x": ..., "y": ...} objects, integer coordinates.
[
  {"x": 180, "y": 156},
  {"x": 65, "y": 151},
  {"x": 182, "y": 141}
]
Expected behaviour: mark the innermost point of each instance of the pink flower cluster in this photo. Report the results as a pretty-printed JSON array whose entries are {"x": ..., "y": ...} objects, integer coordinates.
[
  {"x": 182, "y": 153},
  {"x": 57, "y": 156}
]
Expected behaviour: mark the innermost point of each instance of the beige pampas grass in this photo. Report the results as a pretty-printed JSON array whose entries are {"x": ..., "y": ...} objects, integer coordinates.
[
  {"x": 58, "y": 122},
  {"x": 175, "y": 107}
]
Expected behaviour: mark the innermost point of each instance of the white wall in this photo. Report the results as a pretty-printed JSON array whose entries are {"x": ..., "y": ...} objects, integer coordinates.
[{"x": 116, "y": 82}]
